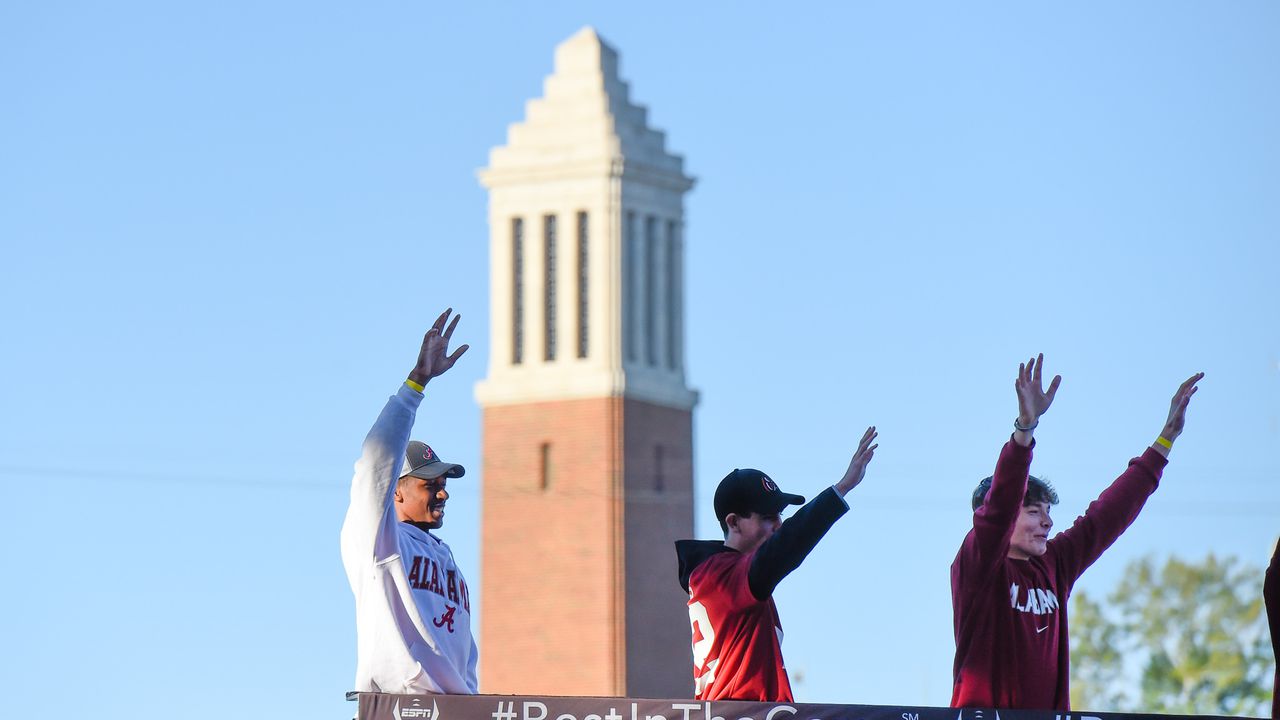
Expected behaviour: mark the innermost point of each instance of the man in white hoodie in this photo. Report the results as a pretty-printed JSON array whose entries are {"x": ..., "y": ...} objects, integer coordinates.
[{"x": 413, "y": 608}]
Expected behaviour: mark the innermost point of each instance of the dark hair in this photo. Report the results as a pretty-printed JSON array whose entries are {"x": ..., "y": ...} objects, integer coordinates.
[
  {"x": 724, "y": 525},
  {"x": 1038, "y": 491}
]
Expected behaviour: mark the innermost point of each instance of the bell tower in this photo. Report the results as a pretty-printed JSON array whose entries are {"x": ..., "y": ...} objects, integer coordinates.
[{"x": 587, "y": 419}]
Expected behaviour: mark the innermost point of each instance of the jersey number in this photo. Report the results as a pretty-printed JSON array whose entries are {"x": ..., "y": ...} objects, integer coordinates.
[{"x": 704, "y": 671}]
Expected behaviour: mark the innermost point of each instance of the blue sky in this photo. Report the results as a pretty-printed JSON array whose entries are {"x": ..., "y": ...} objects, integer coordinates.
[{"x": 225, "y": 228}]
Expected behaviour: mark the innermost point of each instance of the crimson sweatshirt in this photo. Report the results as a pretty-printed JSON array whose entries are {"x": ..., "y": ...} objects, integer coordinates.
[
  {"x": 1271, "y": 596},
  {"x": 1010, "y": 616}
]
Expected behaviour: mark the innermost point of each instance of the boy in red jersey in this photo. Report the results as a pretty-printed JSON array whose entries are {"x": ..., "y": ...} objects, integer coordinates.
[
  {"x": 737, "y": 636},
  {"x": 1010, "y": 582}
]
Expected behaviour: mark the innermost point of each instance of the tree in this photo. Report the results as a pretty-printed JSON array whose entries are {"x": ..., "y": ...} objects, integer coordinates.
[{"x": 1187, "y": 638}]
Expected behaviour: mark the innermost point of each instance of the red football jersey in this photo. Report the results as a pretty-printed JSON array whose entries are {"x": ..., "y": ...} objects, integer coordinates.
[{"x": 737, "y": 639}]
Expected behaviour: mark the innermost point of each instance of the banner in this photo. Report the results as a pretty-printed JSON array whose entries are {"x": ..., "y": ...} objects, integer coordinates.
[{"x": 377, "y": 706}]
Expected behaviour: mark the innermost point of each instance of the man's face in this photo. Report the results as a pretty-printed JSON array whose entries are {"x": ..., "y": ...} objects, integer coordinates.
[
  {"x": 421, "y": 501},
  {"x": 1031, "y": 532},
  {"x": 752, "y": 530}
]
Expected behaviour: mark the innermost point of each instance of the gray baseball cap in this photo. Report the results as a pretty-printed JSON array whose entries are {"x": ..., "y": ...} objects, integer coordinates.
[{"x": 421, "y": 461}]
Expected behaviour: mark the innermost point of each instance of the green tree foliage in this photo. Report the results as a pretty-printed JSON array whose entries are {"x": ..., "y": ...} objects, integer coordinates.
[{"x": 1185, "y": 638}]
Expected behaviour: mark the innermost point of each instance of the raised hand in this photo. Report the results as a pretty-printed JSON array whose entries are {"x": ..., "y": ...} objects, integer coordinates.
[
  {"x": 1178, "y": 407},
  {"x": 433, "y": 359},
  {"x": 1033, "y": 399},
  {"x": 858, "y": 465}
]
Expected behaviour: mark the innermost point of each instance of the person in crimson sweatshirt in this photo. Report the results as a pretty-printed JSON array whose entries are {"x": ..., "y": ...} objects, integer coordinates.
[
  {"x": 1010, "y": 582},
  {"x": 1271, "y": 598}
]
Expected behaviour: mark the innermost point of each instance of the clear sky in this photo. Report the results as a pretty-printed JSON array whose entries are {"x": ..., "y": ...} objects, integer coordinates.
[{"x": 225, "y": 226}]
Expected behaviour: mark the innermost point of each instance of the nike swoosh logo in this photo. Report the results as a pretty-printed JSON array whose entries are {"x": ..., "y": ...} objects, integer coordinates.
[{"x": 1040, "y": 630}]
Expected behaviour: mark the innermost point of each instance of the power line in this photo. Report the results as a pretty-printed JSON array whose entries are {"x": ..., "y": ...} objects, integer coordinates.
[
  {"x": 1197, "y": 509},
  {"x": 151, "y": 478}
]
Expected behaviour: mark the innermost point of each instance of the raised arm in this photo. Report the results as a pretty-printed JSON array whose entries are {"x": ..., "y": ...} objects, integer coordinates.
[
  {"x": 858, "y": 463},
  {"x": 1177, "y": 415},
  {"x": 800, "y": 533},
  {"x": 1033, "y": 399},
  {"x": 994, "y": 518},
  {"x": 1118, "y": 506},
  {"x": 382, "y": 454},
  {"x": 434, "y": 358},
  {"x": 1271, "y": 600}
]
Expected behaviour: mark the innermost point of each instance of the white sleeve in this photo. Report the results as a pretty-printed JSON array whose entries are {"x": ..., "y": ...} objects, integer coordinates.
[
  {"x": 376, "y": 473},
  {"x": 472, "y": 681}
]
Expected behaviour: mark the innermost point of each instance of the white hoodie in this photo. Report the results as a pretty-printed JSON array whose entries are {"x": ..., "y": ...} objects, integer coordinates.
[{"x": 413, "y": 608}]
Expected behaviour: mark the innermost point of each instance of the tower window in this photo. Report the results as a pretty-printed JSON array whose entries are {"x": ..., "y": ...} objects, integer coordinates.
[
  {"x": 549, "y": 286},
  {"x": 673, "y": 295},
  {"x": 659, "y": 479},
  {"x": 582, "y": 285},
  {"x": 650, "y": 294},
  {"x": 544, "y": 466},
  {"x": 629, "y": 299},
  {"x": 517, "y": 291}
]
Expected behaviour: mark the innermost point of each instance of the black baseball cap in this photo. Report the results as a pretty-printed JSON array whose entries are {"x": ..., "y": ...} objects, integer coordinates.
[
  {"x": 421, "y": 461},
  {"x": 745, "y": 491}
]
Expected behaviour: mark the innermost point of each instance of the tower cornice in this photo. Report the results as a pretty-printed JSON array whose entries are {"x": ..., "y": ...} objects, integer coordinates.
[
  {"x": 637, "y": 170},
  {"x": 551, "y": 384}
]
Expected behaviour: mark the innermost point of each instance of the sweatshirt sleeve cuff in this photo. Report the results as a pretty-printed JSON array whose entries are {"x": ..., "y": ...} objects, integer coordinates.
[
  {"x": 843, "y": 502},
  {"x": 1015, "y": 451},
  {"x": 1153, "y": 460},
  {"x": 410, "y": 396},
  {"x": 831, "y": 505}
]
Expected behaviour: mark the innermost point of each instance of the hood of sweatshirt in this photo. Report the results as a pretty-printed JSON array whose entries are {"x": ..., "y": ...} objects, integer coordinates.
[{"x": 692, "y": 553}]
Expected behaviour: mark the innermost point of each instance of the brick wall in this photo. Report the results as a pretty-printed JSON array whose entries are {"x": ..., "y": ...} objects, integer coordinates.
[
  {"x": 578, "y": 578},
  {"x": 659, "y": 511}
]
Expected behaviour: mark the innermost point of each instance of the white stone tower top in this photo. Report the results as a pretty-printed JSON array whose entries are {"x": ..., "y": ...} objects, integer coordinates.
[
  {"x": 586, "y": 219},
  {"x": 585, "y": 117}
]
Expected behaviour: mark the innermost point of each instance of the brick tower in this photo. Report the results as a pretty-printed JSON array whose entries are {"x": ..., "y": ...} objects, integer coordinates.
[{"x": 588, "y": 436}]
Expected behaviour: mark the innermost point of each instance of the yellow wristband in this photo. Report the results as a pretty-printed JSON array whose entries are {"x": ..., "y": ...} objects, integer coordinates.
[
  {"x": 419, "y": 386},
  {"x": 1164, "y": 442}
]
